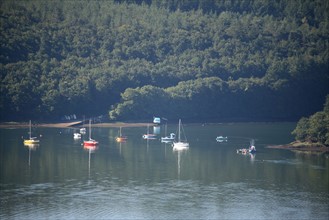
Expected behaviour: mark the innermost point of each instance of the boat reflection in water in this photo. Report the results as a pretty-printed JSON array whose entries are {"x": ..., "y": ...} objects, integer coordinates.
[
  {"x": 90, "y": 149},
  {"x": 31, "y": 147},
  {"x": 179, "y": 155}
]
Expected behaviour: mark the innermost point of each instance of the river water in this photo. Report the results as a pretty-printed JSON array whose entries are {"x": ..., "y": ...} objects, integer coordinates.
[{"x": 147, "y": 179}]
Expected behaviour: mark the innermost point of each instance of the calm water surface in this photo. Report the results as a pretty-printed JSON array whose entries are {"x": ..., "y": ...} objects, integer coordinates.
[{"x": 147, "y": 179}]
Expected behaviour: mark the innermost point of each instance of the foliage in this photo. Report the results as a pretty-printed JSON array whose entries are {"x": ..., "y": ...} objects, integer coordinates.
[
  {"x": 315, "y": 128},
  {"x": 192, "y": 59}
]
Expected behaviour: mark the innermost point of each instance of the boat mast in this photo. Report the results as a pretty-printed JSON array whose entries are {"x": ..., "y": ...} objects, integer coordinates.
[
  {"x": 89, "y": 129},
  {"x": 179, "y": 130},
  {"x": 30, "y": 133}
]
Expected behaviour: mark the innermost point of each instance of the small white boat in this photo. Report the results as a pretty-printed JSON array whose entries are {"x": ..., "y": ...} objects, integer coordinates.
[
  {"x": 82, "y": 130},
  {"x": 168, "y": 139},
  {"x": 252, "y": 149},
  {"x": 180, "y": 144},
  {"x": 149, "y": 136},
  {"x": 156, "y": 120},
  {"x": 221, "y": 139},
  {"x": 77, "y": 136}
]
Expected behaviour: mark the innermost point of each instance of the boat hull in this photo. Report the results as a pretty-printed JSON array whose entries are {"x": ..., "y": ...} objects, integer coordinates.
[
  {"x": 121, "y": 139},
  {"x": 90, "y": 143},
  {"x": 180, "y": 146},
  {"x": 77, "y": 136},
  {"x": 32, "y": 141},
  {"x": 167, "y": 140},
  {"x": 149, "y": 136}
]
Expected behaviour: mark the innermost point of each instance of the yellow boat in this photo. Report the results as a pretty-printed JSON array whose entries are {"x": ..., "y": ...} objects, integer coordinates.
[
  {"x": 121, "y": 138},
  {"x": 31, "y": 140}
]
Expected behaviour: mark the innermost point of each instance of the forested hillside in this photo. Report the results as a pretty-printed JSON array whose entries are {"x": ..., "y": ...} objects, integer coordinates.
[{"x": 198, "y": 60}]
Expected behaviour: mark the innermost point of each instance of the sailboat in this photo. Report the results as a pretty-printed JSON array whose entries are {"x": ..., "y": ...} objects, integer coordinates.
[
  {"x": 121, "y": 138},
  {"x": 180, "y": 145},
  {"x": 31, "y": 140},
  {"x": 90, "y": 142}
]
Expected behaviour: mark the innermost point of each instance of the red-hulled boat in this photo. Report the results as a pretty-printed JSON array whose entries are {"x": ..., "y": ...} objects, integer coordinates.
[{"x": 90, "y": 142}]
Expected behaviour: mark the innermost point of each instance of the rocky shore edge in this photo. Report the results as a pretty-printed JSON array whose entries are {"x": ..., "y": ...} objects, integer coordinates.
[{"x": 303, "y": 147}]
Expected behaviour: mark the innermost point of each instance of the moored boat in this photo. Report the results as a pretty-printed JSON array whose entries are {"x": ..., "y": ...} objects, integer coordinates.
[
  {"x": 149, "y": 136},
  {"x": 90, "y": 142},
  {"x": 82, "y": 130},
  {"x": 31, "y": 140},
  {"x": 180, "y": 144},
  {"x": 120, "y": 137},
  {"x": 77, "y": 136},
  {"x": 221, "y": 139},
  {"x": 251, "y": 150},
  {"x": 168, "y": 139}
]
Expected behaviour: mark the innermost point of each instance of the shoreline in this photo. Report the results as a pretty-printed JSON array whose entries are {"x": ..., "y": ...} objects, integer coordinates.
[
  {"x": 75, "y": 124},
  {"x": 302, "y": 147}
]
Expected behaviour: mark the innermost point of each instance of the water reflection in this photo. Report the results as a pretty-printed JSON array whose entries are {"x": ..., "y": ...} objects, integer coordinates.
[
  {"x": 90, "y": 150},
  {"x": 212, "y": 180},
  {"x": 156, "y": 130},
  {"x": 31, "y": 147},
  {"x": 179, "y": 155},
  {"x": 247, "y": 154}
]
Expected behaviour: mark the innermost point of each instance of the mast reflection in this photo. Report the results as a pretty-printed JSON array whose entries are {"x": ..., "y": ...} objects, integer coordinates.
[
  {"x": 90, "y": 150},
  {"x": 31, "y": 147},
  {"x": 179, "y": 154}
]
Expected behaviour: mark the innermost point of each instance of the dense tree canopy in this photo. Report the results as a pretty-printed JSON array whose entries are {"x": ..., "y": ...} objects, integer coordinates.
[
  {"x": 315, "y": 128},
  {"x": 254, "y": 60}
]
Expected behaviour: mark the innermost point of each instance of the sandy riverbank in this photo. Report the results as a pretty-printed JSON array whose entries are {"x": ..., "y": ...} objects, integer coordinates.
[
  {"x": 303, "y": 147},
  {"x": 71, "y": 124}
]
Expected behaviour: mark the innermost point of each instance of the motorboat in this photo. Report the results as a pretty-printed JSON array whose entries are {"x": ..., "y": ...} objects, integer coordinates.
[
  {"x": 221, "y": 139},
  {"x": 77, "y": 136},
  {"x": 82, "y": 130},
  {"x": 149, "y": 136},
  {"x": 168, "y": 139}
]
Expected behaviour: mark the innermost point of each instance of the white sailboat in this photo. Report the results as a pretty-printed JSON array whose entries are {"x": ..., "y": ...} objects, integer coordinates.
[
  {"x": 180, "y": 145},
  {"x": 31, "y": 140}
]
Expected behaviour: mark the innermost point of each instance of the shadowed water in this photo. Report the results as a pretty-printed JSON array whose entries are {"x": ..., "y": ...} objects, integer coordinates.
[{"x": 147, "y": 179}]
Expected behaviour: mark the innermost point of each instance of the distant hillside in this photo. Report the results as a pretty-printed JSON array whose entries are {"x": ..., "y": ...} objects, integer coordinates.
[{"x": 251, "y": 60}]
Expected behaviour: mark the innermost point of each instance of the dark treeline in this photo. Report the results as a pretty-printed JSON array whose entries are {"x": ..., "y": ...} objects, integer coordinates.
[
  {"x": 253, "y": 60},
  {"x": 314, "y": 129}
]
